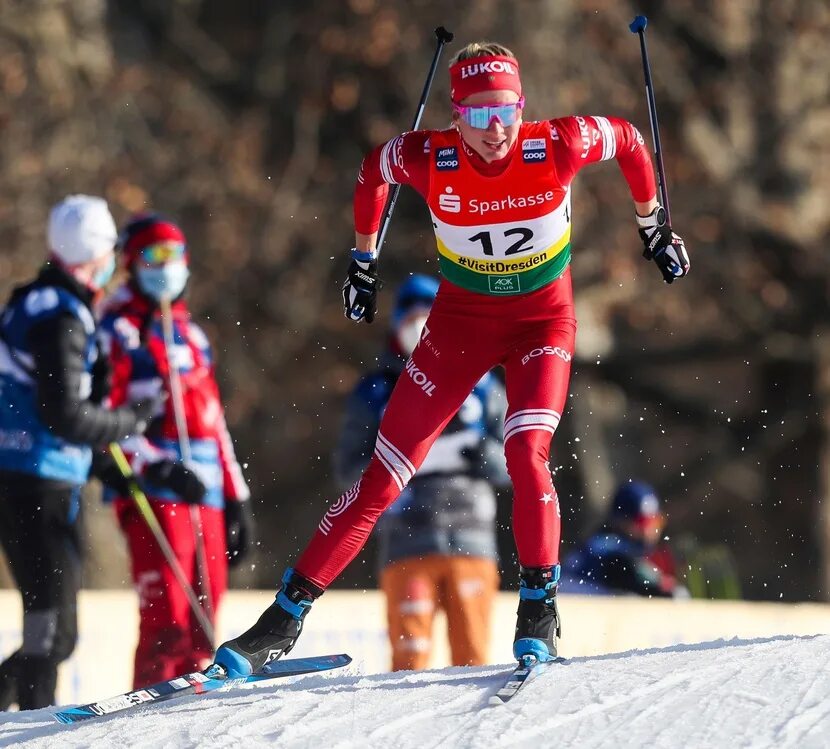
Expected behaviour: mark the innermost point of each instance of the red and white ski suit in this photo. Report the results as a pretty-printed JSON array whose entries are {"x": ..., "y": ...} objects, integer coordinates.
[
  {"x": 171, "y": 640},
  {"x": 503, "y": 236}
]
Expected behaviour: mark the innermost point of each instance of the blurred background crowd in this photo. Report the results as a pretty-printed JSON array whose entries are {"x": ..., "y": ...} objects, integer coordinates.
[{"x": 247, "y": 121}]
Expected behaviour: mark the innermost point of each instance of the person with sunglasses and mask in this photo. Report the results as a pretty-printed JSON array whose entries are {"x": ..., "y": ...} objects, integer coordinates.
[
  {"x": 171, "y": 640},
  {"x": 53, "y": 381},
  {"x": 499, "y": 193}
]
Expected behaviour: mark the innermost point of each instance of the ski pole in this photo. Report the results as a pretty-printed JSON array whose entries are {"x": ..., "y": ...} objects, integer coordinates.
[
  {"x": 638, "y": 26},
  {"x": 184, "y": 448},
  {"x": 444, "y": 37},
  {"x": 146, "y": 511}
]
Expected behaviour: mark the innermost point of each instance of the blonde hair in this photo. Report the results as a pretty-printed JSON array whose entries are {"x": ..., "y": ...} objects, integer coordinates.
[{"x": 481, "y": 49}]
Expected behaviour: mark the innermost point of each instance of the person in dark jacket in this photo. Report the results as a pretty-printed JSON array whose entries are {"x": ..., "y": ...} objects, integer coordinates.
[
  {"x": 52, "y": 382},
  {"x": 627, "y": 554},
  {"x": 437, "y": 542}
]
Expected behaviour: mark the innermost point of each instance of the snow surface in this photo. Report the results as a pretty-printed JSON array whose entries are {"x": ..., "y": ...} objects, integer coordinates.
[{"x": 736, "y": 693}]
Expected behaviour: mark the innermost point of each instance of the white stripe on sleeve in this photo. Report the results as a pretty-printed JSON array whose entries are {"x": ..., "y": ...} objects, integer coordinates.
[
  {"x": 609, "y": 140},
  {"x": 387, "y": 155}
]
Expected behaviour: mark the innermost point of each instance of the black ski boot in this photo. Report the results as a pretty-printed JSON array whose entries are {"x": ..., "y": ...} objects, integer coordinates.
[
  {"x": 537, "y": 622},
  {"x": 275, "y": 632}
]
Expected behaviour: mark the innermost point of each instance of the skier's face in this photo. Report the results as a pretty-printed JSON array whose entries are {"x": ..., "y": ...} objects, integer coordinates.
[{"x": 495, "y": 141}]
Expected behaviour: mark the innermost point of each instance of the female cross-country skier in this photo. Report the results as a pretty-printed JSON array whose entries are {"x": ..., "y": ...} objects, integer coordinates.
[{"x": 498, "y": 191}]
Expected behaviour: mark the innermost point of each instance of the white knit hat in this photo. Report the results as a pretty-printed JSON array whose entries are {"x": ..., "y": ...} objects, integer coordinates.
[{"x": 81, "y": 229}]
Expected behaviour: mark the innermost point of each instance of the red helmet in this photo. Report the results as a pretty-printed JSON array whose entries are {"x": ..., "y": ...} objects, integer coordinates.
[{"x": 145, "y": 230}]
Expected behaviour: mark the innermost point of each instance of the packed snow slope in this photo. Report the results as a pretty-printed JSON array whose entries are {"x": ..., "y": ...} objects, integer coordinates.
[{"x": 748, "y": 693}]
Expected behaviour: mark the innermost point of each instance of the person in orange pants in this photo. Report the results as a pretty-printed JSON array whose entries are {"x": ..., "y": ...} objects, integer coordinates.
[
  {"x": 464, "y": 587},
  {"x": 437, "y": 542}
]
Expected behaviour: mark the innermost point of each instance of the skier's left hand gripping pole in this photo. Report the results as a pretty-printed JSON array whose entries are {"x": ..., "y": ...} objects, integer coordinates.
[
  {"x": 177, "y": 398},
  {"x": 143, "y": 505},
  {"x": 444, "y": 37}
]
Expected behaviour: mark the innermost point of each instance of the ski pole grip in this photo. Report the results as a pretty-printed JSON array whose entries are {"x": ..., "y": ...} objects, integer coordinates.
[
  {"x": 638, "y": 25},
  {"x": 444, "y": 36}
]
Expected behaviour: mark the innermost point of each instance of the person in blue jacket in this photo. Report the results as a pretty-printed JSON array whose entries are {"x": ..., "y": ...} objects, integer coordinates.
[
  {"x": 437, "y": 542},
  {"x": 626, "y": 555},
  {"x": 53, "y": 379}
]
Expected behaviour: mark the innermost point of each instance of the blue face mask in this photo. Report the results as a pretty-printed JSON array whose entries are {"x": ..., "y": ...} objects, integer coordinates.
[
  {"x": 104, "y": 275},
  {"x": 163, "y": 280}
]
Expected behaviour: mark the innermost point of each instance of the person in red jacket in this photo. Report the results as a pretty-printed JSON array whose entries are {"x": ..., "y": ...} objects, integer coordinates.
[
  {"x": 170, "y": 639},
  {"x": 499, "y": 194}
]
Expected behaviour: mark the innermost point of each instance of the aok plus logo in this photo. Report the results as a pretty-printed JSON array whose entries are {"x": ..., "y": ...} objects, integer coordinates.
[
  {"x": 534, "y": 150},
  {"x": 446, "y": 159},
  {"x": 504, "y": 284},
  {"x": 449, "y": 202}
]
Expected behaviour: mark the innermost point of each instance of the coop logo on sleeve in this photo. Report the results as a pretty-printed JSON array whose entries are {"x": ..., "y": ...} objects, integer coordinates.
[
  {"x": 534, "y": 150},
  {"x": 446, "y": 159}
]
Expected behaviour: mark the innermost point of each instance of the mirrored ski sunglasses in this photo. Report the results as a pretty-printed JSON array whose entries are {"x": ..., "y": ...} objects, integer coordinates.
[
  {"x": 163, "y": 252},
  {"x": 481, "y": 117}
]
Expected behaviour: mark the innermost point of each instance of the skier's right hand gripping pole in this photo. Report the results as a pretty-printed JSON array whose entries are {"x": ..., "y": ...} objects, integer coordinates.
[
  {"x": 362, "y": 283},
  {"x": 662, "y": 245},
  {"x": 149, "y": 517}
]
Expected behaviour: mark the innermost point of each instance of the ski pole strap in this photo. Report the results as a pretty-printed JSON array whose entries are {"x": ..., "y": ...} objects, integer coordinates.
[{"x": 363, "y": 257}]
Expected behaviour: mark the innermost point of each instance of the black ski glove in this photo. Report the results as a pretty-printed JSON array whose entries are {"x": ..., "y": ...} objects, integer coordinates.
[
  {"x": 361, "y": 287},
  {"x": 106, "y": 470},
  {"x": 178, "y": 478},
  {"x": 663, "y": 246},
  {"x": 239, "y": 529}
]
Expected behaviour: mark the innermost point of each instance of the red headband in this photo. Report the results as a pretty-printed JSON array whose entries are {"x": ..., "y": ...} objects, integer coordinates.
[
  {"x": 488, "y": 73},
  {"x": 144, "y": 231}
]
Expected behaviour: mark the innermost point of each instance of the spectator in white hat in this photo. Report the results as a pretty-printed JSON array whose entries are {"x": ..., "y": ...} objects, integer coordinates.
[{"x": 52, "y": 383}]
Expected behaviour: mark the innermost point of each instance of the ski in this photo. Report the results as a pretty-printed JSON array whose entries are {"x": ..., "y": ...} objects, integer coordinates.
[
  {"x": 199, "y": 682},
  {"x": 526, "y": 670}
]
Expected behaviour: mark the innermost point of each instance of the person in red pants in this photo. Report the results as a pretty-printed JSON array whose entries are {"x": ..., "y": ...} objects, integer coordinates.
[
  {"x": 437, "y": 547},
  {"x": 171, "y": 641},
  {"x": 499, "y": 193}
]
